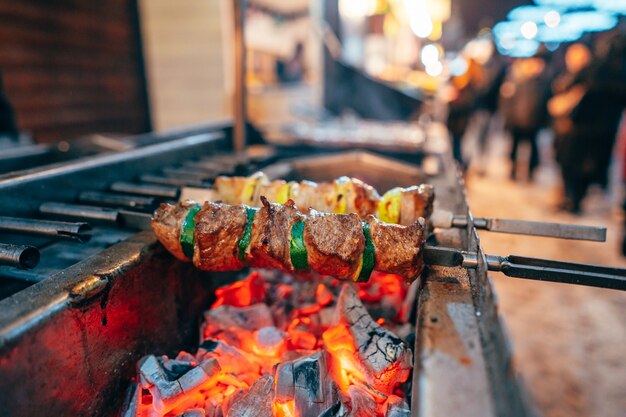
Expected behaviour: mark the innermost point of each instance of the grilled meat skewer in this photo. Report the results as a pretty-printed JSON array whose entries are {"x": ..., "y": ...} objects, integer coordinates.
[
  {"x": 223, "y": 237},
  {"x": 399, "y": 205},
  {"x": 343, "y": 195}
]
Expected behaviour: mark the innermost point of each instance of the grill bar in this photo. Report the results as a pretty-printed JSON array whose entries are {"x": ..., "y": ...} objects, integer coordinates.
[
  {"x": 117, "y": 200},
  {"x": 23, "y": 257},
  {"x": 46, "y": 228},
  {"x": 82, "y": 212},
  {"x": 150, "y": 190}
]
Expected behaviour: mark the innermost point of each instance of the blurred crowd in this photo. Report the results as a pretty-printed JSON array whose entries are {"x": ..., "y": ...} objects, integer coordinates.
[{"x": 578, "y": 93}]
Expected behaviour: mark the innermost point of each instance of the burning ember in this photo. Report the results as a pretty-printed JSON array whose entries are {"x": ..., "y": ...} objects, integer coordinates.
[{"x": 273, "y": 345}]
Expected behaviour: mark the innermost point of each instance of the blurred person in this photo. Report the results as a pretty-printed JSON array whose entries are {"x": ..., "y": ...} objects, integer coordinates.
[
  {"x": 568, "y": 89},
  {"x": 291, "y": 70},
  {"x": 487, "y": 103},
  {"x": 461, "y": 103},
  {"x": 588, "y": 112},
  {"x": 523, "y": 97}
]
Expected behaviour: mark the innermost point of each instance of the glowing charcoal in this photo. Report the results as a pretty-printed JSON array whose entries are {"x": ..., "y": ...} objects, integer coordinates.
[
  {"x": 269, "y": 341},
  {"x": 363, "y": 348},
  {"x": 241, "y": 293},
  {"x": 257, "y": 402},
  {"x": 304, "y": 348}
]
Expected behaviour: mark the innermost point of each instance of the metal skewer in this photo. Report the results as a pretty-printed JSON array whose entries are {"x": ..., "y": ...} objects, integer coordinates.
[
  {"x": 24, "y": 257},
  {"x": 118, "y": 217},
  {"x": 532, "y": 268},
  {"x": 118, "y": 200},
  {"x": 447, "y": 220},
  {"x": 150, "y": 190},
  {"x": 49, "y": 228}
]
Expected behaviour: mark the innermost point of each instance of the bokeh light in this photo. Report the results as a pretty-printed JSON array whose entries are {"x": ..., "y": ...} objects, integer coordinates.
[
  {"x": 528, "y": 30},
  {"x": 552, "y": 18}
]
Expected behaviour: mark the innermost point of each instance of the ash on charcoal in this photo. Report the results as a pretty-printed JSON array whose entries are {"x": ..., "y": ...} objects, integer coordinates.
[
  {"x": 307, "y": 383},
  {"x": 335, "y": 410},
  {"x": 199, "y": 375},
  {"x": 382, "y": 357},
  {"x": 257, "y": 402},
  {"x": 164, "y": 392},
  {"x": 175, "y": 368},
  {"x": 231, "y": 359},
  {"x": 167, "y": 393},
  {"x": 194, "y": 412},
  {"x": 269, "y": 341},
  {"x": 132, "y": 401},
  {"x": 362, "y": 404},
  {"x": 249, "y": 318},
  {"x": 397, "y": 407}
]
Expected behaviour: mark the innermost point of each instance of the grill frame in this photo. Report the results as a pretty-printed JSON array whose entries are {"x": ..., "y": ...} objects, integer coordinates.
[{"x": 65, "y": 312}]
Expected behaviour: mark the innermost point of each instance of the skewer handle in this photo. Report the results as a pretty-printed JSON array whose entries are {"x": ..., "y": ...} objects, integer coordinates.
[
  {"x": 523, "y": 227},
  {"x": 532, "y": 268},
  {"x": 557, "y": 271}
]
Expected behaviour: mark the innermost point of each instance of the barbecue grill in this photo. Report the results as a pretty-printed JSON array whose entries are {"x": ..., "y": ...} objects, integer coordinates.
[
  {"x": 72, "y": 329},
  {"x": 86, "y": 290}
]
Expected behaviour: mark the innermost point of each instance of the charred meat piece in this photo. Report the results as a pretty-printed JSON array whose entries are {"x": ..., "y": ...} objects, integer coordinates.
[
  {"x": 271, "y": 236},
  {"x": 167, "y": 223},
  {"x": 334, "y": 243},
  {"x": 398, "y": 248},
  {"x": 217, "y": 231}
]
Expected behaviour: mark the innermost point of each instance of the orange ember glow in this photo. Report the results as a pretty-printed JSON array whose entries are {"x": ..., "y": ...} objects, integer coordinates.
[
  {"x": 242, "y": 293},
  {"x": 284, "y": 409},
  {"x": 263, "y": 322}
]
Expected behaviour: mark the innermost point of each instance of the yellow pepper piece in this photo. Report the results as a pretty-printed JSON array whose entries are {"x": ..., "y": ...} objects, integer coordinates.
[
  {"x": 247, "y": 196},
  {"x": 341, "y": 195},
  {"x": 284, "y": 193},
  {"x": 389, "y": 206},
  {"x": 357, "y": 273}
]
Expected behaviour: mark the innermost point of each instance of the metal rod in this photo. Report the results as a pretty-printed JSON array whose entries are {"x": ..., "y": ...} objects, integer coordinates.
[
  {"x": 80, "y": 212},
  {"x": 177, "y": 182},
  {"x": 117, "y": 200},
  {"x": 63, "y": 230},
  {"x": 121, "y": 218},
  {"x": 24, "y": 257},
  {"x": 150, "y": 190},
  {"x": 532, "y": 268},
  {"x": 187, "y": 173},
  {"x": 239, "y": 99},
  {"x": 213, "y": 167},
  {"x": 523, "y": 227}
]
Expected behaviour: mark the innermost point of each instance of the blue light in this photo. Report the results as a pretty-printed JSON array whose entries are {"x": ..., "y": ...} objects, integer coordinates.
[
  {"x": 573, "y": 4},
  {"x": 529, "y": 13},
  {"x": 561, "y": 33},
  {"x": 506, "y": 27},
  {"x": 590, "y": 21},
  {"x": 521, "y": 48},
  {"x": 611, "y": 6}
]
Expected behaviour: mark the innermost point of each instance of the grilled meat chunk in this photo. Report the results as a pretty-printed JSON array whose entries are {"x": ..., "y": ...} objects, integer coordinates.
[
  {"x": 398, "y": 248},
  {"x": 167, "y": 224},
  {"x": 271, "y": 236},
  {"x": 217, "y": 232},
  {"x": 334, "y": 243}
]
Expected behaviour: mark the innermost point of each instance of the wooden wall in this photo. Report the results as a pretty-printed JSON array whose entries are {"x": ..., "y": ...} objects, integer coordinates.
[
  {"x": 187, "y": 50},
  {"x": 73, "y": 67}
]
